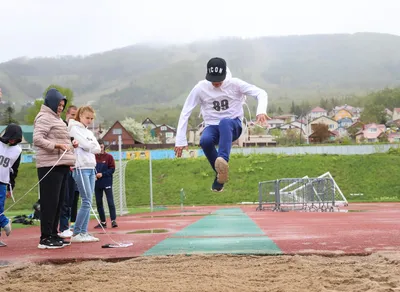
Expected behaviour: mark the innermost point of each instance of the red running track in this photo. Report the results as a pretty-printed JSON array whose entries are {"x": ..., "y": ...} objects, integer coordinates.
[{"x": 357, "y": 229}]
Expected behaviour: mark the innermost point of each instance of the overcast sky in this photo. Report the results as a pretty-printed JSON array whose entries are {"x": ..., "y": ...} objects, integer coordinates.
[{"x": 79, "y": 27}]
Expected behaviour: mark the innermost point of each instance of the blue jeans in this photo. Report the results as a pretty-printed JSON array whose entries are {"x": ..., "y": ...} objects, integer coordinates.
[
  {"x": 85, "y": 180},
  {"x": 3, "y": 192},
  {"x": 222, "y": 135}
]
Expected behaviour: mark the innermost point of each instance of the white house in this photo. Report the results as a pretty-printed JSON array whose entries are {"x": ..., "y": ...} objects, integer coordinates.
[
  {"x": 317, "y": 112},
  {"x": 276, "y": 123}
]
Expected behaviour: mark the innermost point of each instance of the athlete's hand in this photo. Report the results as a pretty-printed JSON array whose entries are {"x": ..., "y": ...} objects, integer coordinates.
[
  {"x": 8, "y": 195},
  {"x": 75, "y": 144},
  {"x": 178, "y": 150},
  {"x": 262, "y": 119}
]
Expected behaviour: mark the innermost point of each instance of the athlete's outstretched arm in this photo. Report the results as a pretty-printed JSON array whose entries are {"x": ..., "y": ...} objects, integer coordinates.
[
  {"x": 191, "y": 102},
  {"x": 261, "y": 96}
]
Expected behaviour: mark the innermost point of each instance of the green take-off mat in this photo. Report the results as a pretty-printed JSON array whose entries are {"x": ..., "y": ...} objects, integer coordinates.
[{"x": 226, "y": 231}]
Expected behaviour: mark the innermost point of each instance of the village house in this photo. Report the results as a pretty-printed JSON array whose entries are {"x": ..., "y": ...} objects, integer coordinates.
[
  {"x": 297, "y": 126},
  {"x": 396, "y": 114},
  {"x": 110, "y": 138},
  {"x": 148, "y": 124},
  {"x": 345, "y": 122},
  {"x": 287, "y": 118},
  {"x": 276, "y": 123},
  {"x": 343, "y": 114},
  {"x": 370, "y": 133},
  {"x": 313, "y": 138},
  {"x": 393, "y": 137},
  {"x": 354, "y": 111},
  {"x": 316, "y": 113},
  {"x": 332, "y": 124},
  {"x": 165, "y": 134}
]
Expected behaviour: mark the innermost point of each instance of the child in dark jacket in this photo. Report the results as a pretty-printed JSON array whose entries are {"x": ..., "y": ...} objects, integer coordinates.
[
  {"x": 10, "y": 157},
  {"x": 105, "y": 167}
]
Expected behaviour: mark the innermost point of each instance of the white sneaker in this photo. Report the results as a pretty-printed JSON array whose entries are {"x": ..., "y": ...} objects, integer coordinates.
[
  {"x": 222, "y": 168},
  {"x": 66, "y": 234},
  {"x": 78, "y": 238},
  {"x": 90, "y": 238},
  {"x": 7, "y": 228}
]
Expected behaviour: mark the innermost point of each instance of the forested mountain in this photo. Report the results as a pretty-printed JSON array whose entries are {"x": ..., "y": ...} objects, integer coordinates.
[{"x": 145, "y": 77}]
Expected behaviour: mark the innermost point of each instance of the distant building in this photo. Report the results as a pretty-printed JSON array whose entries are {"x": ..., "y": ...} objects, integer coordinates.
[
  {"x": 396, "y": 114},
  {"x": 370, "y": 133},
  {"x": 148, "y": 124},
  {"x": 111, "y": 137},
  {"x": 166, "y": 134},
  {"x": 354, "y": 111},
  {"x": 317, "y": 112},
  {"x": 331, "y": 123},
  {"x": 288, "y": 118}
]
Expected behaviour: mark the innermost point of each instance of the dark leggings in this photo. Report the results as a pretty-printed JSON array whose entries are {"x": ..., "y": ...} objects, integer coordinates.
[{"x": 52, "y": 193}]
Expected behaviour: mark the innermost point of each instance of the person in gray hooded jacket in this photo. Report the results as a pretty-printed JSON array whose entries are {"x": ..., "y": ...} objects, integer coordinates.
[{"x": 51, "y": 139}]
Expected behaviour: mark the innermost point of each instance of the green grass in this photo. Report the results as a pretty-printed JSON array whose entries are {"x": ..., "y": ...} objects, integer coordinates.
[{"x": 373, "y": 175}]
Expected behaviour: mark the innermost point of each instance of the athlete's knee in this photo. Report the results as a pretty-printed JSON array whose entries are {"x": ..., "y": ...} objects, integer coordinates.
[
  {"x": 225, "y": 124},
  {"x": 206, "y": 142}
]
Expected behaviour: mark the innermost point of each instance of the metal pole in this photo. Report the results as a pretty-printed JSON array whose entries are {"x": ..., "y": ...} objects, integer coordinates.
[
  {"x": 151, "y": 183},
  {"x": 181, "y": 200},
  {"x": 301, "y": 126},
  {"x": 120, "y": 174}
]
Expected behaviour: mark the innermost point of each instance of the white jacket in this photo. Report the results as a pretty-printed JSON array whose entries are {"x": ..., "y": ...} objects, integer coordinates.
[
  {"x": 10, "y": 155},
  {"x": 219, "y": 103},
  {"x": 88, "y": 145}
]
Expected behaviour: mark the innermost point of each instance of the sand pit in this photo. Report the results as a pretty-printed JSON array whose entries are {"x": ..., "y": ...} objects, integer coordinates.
[{"x": 376, "y": 272}]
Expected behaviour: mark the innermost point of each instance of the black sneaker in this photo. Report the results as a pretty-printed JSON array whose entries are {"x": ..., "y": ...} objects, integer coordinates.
[
  {"x": 98, "y": 226},
  {"x": 216, "y": 186},
  {"x": 62, "y": 240},
  {"x": 49, "y": 243},
  {"x": 114, "y": 224}
]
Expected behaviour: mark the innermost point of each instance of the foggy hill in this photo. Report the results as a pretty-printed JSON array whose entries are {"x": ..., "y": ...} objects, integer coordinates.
[{"x": 140, "y": 76}]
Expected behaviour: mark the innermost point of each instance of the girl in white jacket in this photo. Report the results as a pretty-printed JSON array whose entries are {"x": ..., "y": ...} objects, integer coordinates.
[{"x": 84, "y": 172}]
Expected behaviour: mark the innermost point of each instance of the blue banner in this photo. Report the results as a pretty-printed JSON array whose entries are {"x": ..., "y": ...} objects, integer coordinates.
[{"x": 129, "y": 155}]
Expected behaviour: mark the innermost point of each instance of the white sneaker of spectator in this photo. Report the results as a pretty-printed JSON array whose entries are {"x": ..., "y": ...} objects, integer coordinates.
[
  {"x": 78, "y": 238},
  {"x": 66, "y": 234},
  {"x": 90, "y": 238}
]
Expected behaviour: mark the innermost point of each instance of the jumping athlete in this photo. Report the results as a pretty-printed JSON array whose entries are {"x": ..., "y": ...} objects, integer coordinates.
[{"x": 221, "y": 99}]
